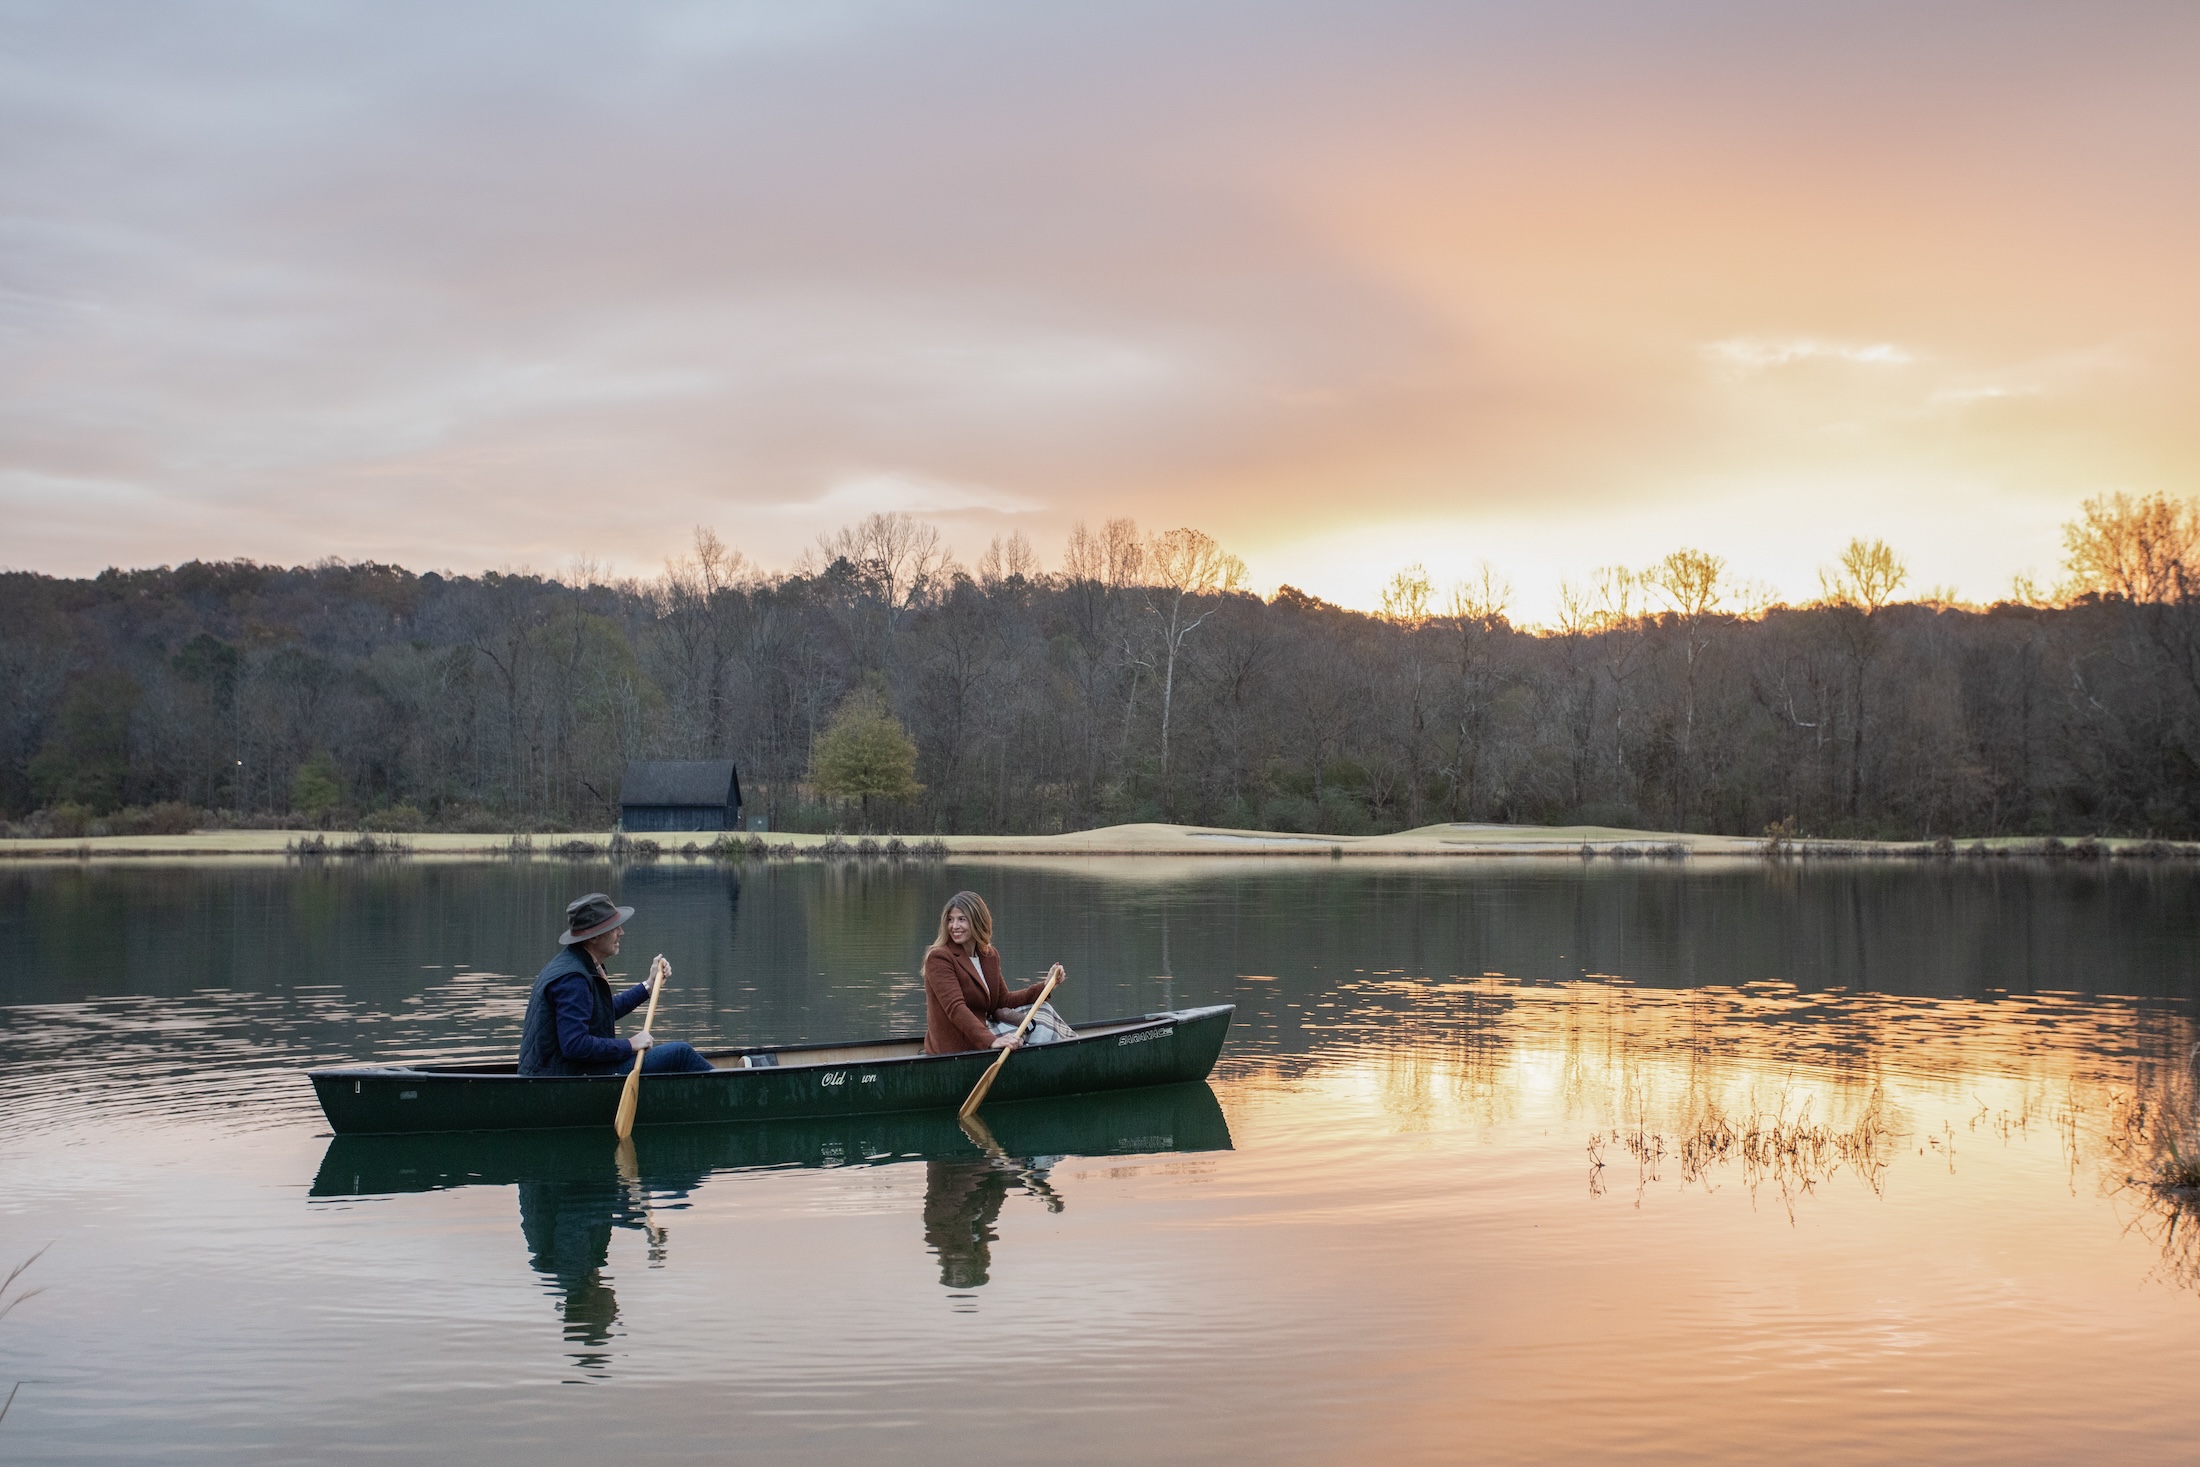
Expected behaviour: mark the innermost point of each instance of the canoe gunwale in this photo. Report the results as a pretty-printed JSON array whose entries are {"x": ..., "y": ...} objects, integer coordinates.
[{"x": 1093, "y": 1032}]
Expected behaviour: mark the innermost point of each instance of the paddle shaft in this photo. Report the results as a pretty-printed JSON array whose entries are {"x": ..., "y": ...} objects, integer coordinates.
[
  {"x": 630, "y": 1172},
  {"x": 631, "y": 1096},
  {"x": 985, "y": 1081}
]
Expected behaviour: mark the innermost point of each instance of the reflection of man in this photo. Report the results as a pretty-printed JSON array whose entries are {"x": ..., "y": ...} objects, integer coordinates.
[
  {"x": 568, "y": 1211},
  {"x": 567, "y": 1225}
]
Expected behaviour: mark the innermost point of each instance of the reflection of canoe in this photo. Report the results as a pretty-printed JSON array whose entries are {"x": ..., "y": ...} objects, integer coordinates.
[
  {"x": 1162, "y": 1118},
  {"x": 869, "y": 1078}
]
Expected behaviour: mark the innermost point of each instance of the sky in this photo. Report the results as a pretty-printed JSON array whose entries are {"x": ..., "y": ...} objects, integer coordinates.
[{"x": 1347, "y": 286}]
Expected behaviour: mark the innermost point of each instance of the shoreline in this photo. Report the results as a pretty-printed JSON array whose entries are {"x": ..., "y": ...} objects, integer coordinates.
[{"x": 1575, "y": 842}]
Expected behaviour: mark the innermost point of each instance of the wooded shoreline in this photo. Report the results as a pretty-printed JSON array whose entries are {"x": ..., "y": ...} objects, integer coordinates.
[
  {"x": 1574, "y": 842},
  {"x": 880, "y": 685}
]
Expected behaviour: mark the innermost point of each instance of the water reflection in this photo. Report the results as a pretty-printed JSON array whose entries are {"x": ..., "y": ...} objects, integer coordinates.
[
  {"x": 963, "y": 1198},
  {"x": 217, "y": 982},
  {"x": 1862, "y": 1170},
  {"x": 568, "y": 1225},
  {"x": 576, "y": 1189}
]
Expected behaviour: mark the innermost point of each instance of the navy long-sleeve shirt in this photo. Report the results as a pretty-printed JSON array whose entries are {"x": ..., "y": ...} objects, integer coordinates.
[{"x": 575, "y": 1008}]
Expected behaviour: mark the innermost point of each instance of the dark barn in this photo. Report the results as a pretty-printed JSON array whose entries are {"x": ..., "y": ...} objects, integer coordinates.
[{"x": 680, "y": 794}]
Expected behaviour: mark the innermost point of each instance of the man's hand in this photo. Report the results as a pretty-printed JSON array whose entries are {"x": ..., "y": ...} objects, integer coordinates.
[
  {"x": 642, "y": 1041},
  {"x": 1006, "y": 1041}
]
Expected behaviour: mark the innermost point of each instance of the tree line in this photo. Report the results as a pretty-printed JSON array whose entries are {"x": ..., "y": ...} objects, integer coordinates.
[{"x": 881, "y": 684}]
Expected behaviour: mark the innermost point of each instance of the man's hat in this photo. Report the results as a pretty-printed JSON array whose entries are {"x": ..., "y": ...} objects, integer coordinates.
[{"x": 592, "y": 916}]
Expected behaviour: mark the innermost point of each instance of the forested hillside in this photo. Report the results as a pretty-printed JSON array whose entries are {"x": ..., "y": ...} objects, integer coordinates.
[{"x": 1134, "y": 682}]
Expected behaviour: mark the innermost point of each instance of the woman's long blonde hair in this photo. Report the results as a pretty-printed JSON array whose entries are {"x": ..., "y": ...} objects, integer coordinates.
[{"x": 973, "y": 906}]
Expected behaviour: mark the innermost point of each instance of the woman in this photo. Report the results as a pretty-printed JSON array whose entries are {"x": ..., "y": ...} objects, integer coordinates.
[
  {"x": 572, "y": 1015},
  {"x": 966, "y": 1005}
]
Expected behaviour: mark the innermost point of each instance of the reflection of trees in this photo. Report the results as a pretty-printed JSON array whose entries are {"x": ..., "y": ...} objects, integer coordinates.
[
  {"x": 2153, "y": 1154},
  {"x": 1783, "y": 1089}
]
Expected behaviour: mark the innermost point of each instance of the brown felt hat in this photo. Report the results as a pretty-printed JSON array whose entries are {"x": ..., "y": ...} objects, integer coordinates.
[{"x": 592, "y": 916}]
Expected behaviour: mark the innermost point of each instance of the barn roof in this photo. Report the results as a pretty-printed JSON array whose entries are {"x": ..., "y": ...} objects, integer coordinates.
[{"x": 680, "y": 782}]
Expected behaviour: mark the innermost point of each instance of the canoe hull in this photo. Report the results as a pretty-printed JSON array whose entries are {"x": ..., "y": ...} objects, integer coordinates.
[
  {"x": 1162, "y": 1118},
  {"x": 1155, "y": 1049}
]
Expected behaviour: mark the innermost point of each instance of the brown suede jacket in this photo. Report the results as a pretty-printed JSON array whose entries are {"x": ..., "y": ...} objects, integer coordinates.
[{"x": 960, "y": 996}]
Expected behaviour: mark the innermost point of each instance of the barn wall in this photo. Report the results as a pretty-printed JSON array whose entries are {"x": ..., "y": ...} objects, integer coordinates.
[{"x": 639, "y": 818}]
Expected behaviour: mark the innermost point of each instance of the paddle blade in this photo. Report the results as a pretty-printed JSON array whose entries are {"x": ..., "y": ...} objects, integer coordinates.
[
  {"x": 631, "y": 1096},
  {"x": 981, "y": 1136},
  {"x": 977, "y": 1092}
]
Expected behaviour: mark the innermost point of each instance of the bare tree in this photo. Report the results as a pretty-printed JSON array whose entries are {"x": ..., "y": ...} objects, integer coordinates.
[
  {"x": 1857, "y": 591},
  {"x": 1008, "y": 561},
  {"x": 698, "y": 607},
  {"x": 1689, "y": 581},
  {"x": 897, "y": 561},
  {"x": 1182, "y": 568},
  {"x": 1407, "y": 596},
  {"x": 1475, "y": 615}
]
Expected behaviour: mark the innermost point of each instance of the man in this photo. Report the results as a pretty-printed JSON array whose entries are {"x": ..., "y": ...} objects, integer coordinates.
[{"x": 572, "y": 1015}]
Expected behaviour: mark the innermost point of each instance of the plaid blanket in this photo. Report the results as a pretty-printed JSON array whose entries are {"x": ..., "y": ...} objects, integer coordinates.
[{"x": 1046, "y": 1028}]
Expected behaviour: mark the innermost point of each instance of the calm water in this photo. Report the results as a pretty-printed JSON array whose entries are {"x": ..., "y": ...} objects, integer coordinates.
[{"x": 1502, "y": 1161}]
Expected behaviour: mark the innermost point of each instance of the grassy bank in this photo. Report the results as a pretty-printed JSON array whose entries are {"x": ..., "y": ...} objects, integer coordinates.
[{"x": 1567, "y": 841}]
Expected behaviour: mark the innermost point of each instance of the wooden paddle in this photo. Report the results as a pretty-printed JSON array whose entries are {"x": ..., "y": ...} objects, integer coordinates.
[
  {"x": 631, "y": 1096},
  {"x": 630, "y": 1172},
  {"x": 985, "y": 1081}
]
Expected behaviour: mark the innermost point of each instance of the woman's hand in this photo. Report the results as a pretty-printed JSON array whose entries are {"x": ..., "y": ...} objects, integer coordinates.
[{"x": 1006, "y": 1041}]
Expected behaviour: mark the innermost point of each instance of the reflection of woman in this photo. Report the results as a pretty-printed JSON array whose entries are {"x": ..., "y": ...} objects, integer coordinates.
[
  {"x": 962, "y": 1201},
  {"x": 966, "y": 1004}
]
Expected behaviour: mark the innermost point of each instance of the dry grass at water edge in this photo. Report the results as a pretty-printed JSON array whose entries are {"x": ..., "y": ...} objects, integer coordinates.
[
  {"x": 7, "y": 1307},
  {"x": 1795, "y": 1154},
  {"x": 2154, "y": 1140}
]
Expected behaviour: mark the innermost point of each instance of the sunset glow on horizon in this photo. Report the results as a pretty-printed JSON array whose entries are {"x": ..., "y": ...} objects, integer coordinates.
[{"x": 1348, "y": 288}]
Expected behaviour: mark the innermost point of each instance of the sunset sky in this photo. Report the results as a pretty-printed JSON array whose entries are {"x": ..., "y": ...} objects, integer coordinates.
[{"x": 1347, "y": 286}]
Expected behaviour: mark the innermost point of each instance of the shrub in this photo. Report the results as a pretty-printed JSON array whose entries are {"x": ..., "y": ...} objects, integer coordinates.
[
  {"x": 65, "y": 821},
  {"x": 169, "y": 817},
  {"x": 316, "y": 788}
]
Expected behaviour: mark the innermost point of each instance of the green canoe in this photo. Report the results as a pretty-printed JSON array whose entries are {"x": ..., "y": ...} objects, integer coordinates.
[
  {"x": 1166, "y": 1118},
  {"x": 775, "y": 1083}
]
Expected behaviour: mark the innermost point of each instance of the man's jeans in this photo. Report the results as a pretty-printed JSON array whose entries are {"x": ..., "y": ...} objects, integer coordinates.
[{"x": 669, "y": 1057}]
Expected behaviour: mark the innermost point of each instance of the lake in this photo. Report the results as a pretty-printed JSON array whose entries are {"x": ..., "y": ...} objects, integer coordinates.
[{"x": 1504, "y": 1160}]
